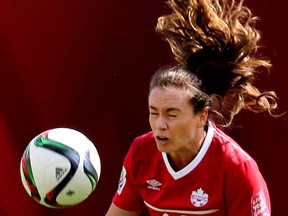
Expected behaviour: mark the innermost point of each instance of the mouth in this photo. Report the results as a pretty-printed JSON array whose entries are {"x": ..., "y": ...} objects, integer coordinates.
[{"x": 161, "y": 138}]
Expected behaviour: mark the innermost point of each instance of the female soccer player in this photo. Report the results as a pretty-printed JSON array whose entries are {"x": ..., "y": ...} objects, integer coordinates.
[{"x": 186, "y": 165}]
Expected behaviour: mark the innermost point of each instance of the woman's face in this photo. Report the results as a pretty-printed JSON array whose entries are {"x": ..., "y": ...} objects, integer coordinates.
[{"x": 177, "y": 129}]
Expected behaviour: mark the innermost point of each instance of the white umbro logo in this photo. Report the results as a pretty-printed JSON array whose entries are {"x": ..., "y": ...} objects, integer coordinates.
[{"x": 154, "y": 184}]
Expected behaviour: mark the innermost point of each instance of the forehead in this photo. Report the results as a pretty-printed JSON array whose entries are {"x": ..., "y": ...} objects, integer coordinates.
[{"x": 170, "y": 97}]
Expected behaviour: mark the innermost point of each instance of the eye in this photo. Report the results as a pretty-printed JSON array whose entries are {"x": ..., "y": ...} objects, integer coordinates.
[
  {"x": 153, "y": 113},
  {"x": 172, "y": 115}
]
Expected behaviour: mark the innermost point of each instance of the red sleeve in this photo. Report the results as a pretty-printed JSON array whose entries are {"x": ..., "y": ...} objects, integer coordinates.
[
  {"x": 247, "y": 193},
  {"x": 127, "y": 196}
]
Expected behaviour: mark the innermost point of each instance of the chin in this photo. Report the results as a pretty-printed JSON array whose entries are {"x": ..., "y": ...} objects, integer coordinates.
[{"x": 162, "y": 148}]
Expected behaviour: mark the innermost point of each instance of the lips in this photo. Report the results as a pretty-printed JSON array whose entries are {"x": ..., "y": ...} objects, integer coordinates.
[{"x": 161, "y": 138}]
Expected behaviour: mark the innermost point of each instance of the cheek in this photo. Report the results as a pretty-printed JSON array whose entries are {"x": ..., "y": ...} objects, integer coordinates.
[
  {"x": 185, "y": 130},
  {"x": 151, "y": 122}
]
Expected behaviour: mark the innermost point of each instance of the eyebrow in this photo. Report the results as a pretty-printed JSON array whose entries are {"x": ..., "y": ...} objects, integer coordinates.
[
  {"x": 172, "y": 109},
  {"x": 168, "y": 110}
]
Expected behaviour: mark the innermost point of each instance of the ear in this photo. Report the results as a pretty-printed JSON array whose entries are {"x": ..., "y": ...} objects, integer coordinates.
[{"x": 203, "y": 116}]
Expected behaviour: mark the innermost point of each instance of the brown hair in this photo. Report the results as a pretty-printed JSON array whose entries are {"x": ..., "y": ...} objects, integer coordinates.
[
  {"x": 180, "y": 78},
  {"x": 217, "y": 41}
]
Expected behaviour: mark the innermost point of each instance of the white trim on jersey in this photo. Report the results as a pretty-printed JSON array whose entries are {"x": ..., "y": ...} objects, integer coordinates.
[
  {"x": 187, "y": 169},
  {"x": 199, "y": 212}
]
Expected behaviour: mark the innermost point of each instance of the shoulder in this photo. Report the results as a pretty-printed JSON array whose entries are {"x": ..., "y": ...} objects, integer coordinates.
[
  {"x": 142, "y": 146},
  {"x": 142, "y": 154},
  {"x": 234, "y": 160},
  {"x": 231, "y": 151},
  {"x": 146, "y": 141},
  {"x": 146, "y": 137}
]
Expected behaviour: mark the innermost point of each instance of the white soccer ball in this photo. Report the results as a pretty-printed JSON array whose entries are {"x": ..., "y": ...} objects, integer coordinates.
[{"x": 60, "y": 168}]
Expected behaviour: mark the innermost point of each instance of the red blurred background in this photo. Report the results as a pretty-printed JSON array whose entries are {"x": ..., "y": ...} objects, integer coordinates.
[{"x": 87, "y": 65}]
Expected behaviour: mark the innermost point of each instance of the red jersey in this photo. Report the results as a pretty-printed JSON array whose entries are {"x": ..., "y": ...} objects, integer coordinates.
[{"x": 221, "y": 180}]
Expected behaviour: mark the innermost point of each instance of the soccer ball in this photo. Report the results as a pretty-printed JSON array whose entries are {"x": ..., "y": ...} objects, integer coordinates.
[{"x": 60, "y": 168}]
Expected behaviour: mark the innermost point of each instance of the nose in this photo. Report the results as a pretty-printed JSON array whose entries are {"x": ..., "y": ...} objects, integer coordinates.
[{"x": 161, "y": 123}]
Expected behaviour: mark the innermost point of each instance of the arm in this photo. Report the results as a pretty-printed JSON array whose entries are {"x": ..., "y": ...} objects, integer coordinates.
[
  {"x": 116, "y": 211},
  {"x": 247, "y": 193},
  {"x": 127, "y": 201}
]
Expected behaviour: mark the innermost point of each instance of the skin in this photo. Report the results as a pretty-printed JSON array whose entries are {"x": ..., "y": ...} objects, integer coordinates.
[{"x": 178, "y": 131}]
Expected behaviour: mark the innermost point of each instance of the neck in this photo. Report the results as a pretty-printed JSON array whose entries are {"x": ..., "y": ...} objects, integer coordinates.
[{"x": 178, "y": 160}]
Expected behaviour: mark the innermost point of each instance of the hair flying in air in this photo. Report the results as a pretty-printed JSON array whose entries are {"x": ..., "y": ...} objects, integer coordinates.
[{"x": 217, "y": 41}]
